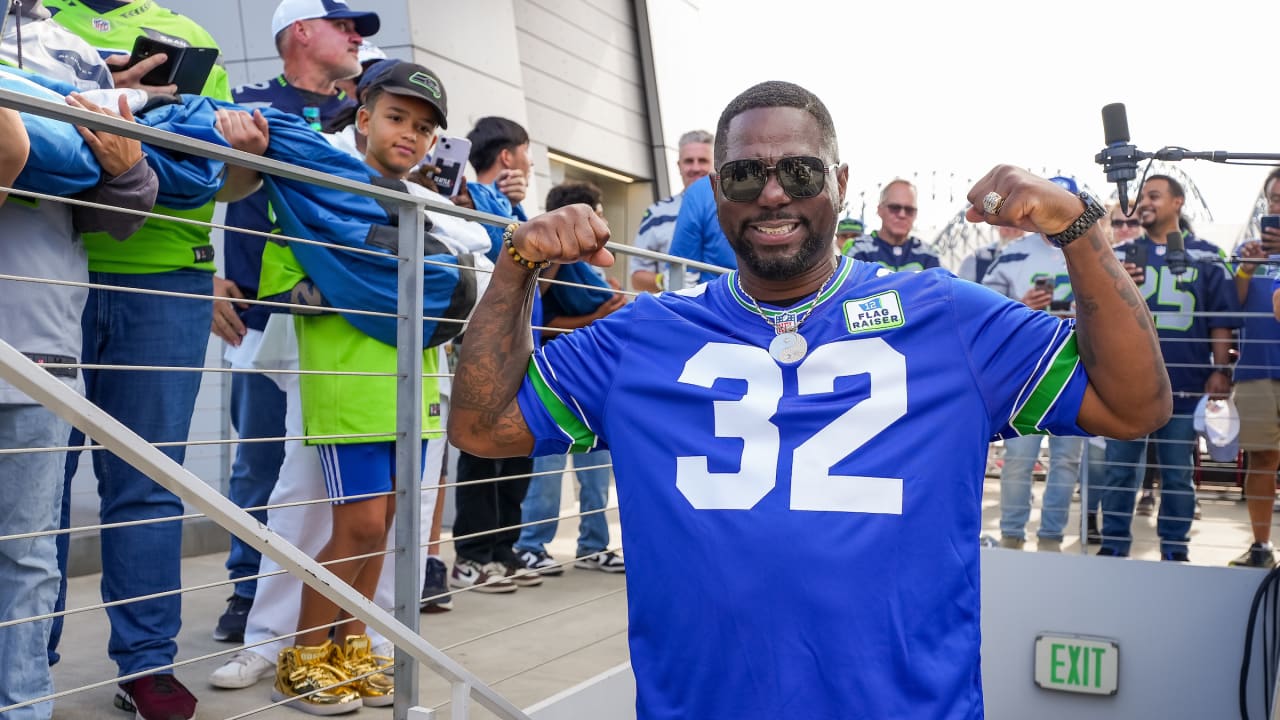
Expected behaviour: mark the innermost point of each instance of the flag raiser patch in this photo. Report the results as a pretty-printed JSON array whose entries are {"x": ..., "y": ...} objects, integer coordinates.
[{"x": 875, "y": 313}]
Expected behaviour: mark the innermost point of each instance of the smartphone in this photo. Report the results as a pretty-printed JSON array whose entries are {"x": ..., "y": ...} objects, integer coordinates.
[
  {"x": 1044, "y": 284},
  {"x": 186, "y": 67},
  {"x": 450, "y": 159},
  {"x": 1136, "y": 254},
  {"x": 1270, "y": 222}
]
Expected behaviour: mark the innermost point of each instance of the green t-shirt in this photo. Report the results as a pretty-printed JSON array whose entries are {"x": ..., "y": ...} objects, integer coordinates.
[
  {"x": 345, "y": 404},
  {"x": 159, "y": 245}
]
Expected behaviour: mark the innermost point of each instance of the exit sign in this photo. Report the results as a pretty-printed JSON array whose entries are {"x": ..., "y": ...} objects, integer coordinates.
[{"x": 1072, "y": 663}]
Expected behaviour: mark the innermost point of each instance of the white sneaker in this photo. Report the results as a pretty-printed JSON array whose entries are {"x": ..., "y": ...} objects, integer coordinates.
[
  {"x": 608, "y": 561},
  {"x": 244, "y": 668}
]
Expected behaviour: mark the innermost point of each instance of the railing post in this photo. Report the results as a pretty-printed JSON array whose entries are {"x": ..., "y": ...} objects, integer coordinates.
[
  {"x": 408, "y": 494},
  {"x": 460, "y": 707},
  {"x": 675, "y": 275}
]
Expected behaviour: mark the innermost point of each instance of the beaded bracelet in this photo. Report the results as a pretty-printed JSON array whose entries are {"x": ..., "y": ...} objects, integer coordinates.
[{"x": 515, "y": 255}]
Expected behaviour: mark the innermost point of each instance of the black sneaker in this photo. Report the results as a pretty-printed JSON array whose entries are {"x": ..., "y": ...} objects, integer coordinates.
[
  {"x": 435, "y": 588},
  {"x": 1258, "y": 555},
  {"x": 1092, "y": 535},
  {"x": 542, "y": 562},
  {"x": 1146, "y": 504},
  {"x": 1175, "y": 556},
  {"x": 231, "y": 625}
]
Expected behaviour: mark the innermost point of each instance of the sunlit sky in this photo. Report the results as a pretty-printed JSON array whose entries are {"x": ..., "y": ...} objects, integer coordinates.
[{"x": 928, "y": 89}]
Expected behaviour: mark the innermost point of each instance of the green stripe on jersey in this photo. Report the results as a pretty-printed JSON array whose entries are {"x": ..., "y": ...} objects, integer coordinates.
[
  {"x": 1047, "y": 390},
  {"x": 583, "y": 438}
]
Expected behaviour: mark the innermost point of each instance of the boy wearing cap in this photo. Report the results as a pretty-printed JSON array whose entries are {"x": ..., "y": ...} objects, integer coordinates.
[
  {"x": 404, "y": 104},
  {"x": 319, "y": 44}
]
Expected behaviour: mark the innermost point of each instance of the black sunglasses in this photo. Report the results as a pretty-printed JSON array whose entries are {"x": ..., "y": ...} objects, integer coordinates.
[
  {"x": 896, "y": 209},
  {"x": 800, "y": 177},
  {"x": 1125, "y": 223}
]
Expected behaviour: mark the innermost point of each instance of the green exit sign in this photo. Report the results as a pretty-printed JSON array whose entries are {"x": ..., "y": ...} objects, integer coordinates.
[{"x": 1072, "y": 663}]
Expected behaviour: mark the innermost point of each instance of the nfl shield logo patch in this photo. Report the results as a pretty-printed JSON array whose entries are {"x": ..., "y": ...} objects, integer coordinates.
[{"x": 101, "y": 25}]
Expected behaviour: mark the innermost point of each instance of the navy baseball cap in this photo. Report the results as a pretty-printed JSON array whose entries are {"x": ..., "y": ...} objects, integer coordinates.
[
  {"x": 405, "y": 78},
  {"x": 291, "y": 11}
]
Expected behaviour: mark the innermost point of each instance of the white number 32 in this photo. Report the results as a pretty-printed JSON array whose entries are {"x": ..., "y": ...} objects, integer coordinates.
[{"x": 748, "y": 418}]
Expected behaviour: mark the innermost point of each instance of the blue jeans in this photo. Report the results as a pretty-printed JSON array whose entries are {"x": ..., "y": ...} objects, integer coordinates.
[
  {"x": 1097, "y": 472},
  {"x": 542, "y": 502},
  {"x": 1175, "y": 443},
  {"x": 1060, "y": 482},
  {"x": 31, "y": 485},
  {"x": 123, "y": 328},
  {"x": 257, "y": 411}
]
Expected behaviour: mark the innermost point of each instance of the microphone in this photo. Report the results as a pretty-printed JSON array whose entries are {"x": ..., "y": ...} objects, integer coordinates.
[
  {"x": 1175, "y": 255},
  {"x": 1119, "y": 158}
]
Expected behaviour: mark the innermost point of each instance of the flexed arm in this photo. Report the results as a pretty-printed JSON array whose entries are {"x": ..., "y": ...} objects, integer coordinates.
[
  {"x": 484, "y": 417},
  {"x": 1128, "y": 394}
]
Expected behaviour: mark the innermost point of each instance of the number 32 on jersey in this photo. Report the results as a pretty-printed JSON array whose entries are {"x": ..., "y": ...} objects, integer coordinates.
[{"x": 813, "y": 487}]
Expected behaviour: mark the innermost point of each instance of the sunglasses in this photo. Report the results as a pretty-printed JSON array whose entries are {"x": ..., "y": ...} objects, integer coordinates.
[
  {"x": 800, "y": 177},
  {"x": 1125, "y": 223},
  {"x": 896, "y": 209}
]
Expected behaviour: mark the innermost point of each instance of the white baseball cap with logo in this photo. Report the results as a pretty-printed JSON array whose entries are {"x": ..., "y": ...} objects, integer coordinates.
[{"x": 291, "y": 11}]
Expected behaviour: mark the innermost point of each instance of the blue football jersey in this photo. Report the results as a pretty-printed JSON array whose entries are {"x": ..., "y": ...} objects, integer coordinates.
[
  {"x": 1186, "y": 308},
  {"x": 802, "y": 538},
  {"x": 913, "y": 255},
  {"x": 1260, "y": 333}
]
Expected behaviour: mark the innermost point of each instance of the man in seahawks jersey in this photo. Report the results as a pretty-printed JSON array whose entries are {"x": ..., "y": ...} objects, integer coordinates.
[
  {"x": 860, "y": 593},
  {"x": 893, "y": 245},
  {"x": 1195, "y": 308}
]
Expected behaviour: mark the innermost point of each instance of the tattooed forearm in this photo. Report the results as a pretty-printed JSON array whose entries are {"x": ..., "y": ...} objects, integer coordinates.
[
  {"x": 1117, "y": 341},
  {"x": 485, "y": 418}
]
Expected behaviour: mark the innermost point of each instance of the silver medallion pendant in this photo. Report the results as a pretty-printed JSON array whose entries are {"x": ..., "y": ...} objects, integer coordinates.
[{"x": 788, "y": 347}]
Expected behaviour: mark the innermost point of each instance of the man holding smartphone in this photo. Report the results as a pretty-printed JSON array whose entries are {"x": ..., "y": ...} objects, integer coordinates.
[
  {"x": 1033, "y": 271},
  {"x": 1257, "y": 391},
  {"x": 1195, "y": 308}
]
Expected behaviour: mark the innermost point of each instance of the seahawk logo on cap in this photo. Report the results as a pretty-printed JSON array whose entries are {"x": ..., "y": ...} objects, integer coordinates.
[{"x": 427, "y": 83}]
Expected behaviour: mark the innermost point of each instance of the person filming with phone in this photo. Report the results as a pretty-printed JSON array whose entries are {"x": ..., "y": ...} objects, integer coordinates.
[
  {"x": 1033, "y": 271},
  {"x": 1257, "y": 376}
]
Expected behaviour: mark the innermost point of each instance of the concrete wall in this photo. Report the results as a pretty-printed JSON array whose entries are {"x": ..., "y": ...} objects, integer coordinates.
[{"x": 1180, "y": 630}]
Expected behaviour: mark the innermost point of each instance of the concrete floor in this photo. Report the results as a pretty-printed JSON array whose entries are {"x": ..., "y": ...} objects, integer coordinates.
[{"x": 527, "y": 663}]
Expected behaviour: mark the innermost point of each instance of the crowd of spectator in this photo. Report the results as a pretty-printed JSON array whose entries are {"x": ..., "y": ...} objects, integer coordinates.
[{"x": 387, "y": 114}]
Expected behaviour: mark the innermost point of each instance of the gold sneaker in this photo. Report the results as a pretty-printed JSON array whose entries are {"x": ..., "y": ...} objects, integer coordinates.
[
  {"x": 356, "y": 659},
  {"x": 305, "y": 669}
]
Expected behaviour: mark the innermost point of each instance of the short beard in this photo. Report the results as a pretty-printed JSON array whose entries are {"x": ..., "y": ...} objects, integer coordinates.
[{"x": 780, "y": 267}]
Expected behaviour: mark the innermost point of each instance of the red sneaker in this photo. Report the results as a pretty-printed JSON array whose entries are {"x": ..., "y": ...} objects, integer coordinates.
[{"x": 157, "y": 697}]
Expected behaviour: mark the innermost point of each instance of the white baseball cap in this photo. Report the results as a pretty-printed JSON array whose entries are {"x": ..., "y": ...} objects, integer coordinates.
[
  {"x": 1219, "y": 423},
  {"x": 291, "y": 11}
]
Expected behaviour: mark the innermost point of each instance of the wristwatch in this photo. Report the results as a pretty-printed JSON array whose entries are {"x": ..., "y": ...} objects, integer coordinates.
[{"x": 1093, "y": 210}]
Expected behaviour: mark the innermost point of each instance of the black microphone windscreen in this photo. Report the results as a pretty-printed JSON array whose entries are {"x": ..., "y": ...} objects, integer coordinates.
[
  {"x": 1174, "y": 242},
  {"x": 1115, "y": 124}
]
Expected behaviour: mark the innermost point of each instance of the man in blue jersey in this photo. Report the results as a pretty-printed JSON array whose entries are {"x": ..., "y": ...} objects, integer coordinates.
[
  {"x": 1257, "y": 376},
  {"x": 319, "y": 44},
  {"x": 698, "y": 236},
  {"x": 893, "y": 245},
  {"x": 1195, "y": 308},
  {"x": 659, "y": 221},
  {"x": 781, "y": 409}
]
